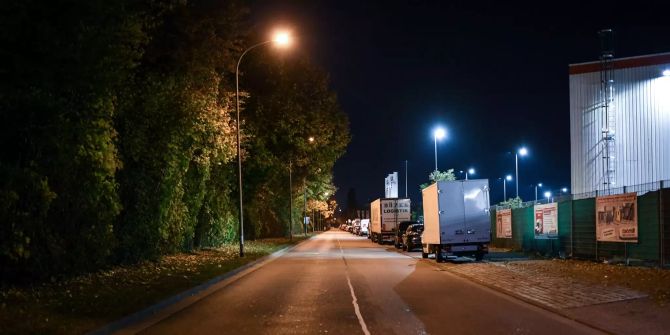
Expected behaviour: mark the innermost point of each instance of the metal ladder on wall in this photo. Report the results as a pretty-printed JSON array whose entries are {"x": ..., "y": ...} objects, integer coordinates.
[{"x": 608, "y": 112}]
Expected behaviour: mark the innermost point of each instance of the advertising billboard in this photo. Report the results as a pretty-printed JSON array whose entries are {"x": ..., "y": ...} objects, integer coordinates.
[
  {"x": 546, "y": 221},
  {"x": 616, "y": 218},
  {"x": 391, "y": 185},
  {"x": 504, "y": 223}
]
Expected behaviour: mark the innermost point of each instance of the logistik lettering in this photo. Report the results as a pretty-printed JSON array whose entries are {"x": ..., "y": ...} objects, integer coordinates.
[{"x": 396, "y": 211}]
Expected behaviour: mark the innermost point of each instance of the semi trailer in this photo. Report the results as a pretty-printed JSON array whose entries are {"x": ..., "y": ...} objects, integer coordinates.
[
  {"x": 456, "y": 219},
  {"x": 385, "y": 215}
]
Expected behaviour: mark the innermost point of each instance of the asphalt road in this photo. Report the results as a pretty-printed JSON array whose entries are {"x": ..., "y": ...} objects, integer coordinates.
[{"x": 337, "y": 283}]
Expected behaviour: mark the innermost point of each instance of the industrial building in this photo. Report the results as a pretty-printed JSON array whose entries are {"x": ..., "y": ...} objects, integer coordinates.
[{"x": 620, "y": 125}]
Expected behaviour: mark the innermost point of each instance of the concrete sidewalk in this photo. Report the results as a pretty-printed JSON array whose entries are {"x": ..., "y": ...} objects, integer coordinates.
[{"x": 611, "y": 308}]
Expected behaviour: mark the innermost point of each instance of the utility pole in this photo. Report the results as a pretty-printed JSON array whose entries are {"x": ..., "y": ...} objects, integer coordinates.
[
  {"x": 405, "y": 178},
  {"x": 304, "y": 210},
  {"x": 290, "y": 209}
]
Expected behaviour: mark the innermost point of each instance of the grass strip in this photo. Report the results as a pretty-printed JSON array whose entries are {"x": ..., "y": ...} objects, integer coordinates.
[{"x": 86, "y": 302}]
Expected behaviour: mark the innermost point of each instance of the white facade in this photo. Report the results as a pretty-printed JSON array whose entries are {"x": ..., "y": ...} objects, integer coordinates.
[{"x": 641, "y": 125}]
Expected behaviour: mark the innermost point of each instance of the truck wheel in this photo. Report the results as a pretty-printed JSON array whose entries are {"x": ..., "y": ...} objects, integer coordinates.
[
  {"x": 424, "y": 254},
  {"x": 405, "y": 247},
  {"x": 396, "y": 245},
  {"x": 479, "y": 256},
  {"x": 438, "y": 255}
]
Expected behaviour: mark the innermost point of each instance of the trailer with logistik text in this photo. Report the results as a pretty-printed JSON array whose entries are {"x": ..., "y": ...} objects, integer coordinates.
[{"x": 385, "y": 215}]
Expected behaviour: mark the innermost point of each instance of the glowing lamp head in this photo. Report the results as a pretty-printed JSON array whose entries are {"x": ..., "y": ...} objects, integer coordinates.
[
  {"x": 471, "y": 171},
  {"x": 539, "y": 185},
  {"x": 440, "y": 133},
  {"x": 311, "y": 139},
  {"x": 509, "y": 177},
  {"x": 666, "y": 73},
  {"x": 282, "y": 39},
  {"x": 523, "y": 152},
  {"x": 564, "y": 189},
  {"x": 547, "y": 194}
]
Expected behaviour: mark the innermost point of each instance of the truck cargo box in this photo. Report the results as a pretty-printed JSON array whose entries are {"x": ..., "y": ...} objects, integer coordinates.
[
  {"x": 456, "y": 217},
  {"x": 385, "y": 214}
]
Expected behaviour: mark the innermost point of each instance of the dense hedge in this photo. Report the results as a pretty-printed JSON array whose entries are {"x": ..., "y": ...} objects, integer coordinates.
[{"x": 118, "y": 133}]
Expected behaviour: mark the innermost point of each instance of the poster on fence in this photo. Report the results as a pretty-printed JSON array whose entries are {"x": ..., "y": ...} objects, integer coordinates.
[
  {"x": 616, "y": 218},
  {"x": 546, "y": 221},
  {"x": 504, "y": 223}
]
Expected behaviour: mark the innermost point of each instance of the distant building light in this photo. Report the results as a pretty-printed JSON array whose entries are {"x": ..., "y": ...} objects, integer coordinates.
[{"x": 666, "y": 73}]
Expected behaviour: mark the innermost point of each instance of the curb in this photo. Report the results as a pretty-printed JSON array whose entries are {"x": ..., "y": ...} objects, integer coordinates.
[{"x": 197, "y": 293}]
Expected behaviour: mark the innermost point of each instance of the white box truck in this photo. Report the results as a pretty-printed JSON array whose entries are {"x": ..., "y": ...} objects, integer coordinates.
[
  {"x": 385, "y": 215},
  {"x": 456, "y": 219}
]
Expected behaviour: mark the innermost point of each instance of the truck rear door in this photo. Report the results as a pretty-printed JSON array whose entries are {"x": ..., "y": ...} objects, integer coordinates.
[
  {"x": 476, "y": 205},
  {"x": 452, "y": 221}
]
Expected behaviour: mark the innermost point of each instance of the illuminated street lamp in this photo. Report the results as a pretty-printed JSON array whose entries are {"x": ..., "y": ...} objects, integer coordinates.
[
  {"x": 547, "y": 195},
  {"x": 438, "y": 134},
  {"x": 522, "y": 152},
  {"x": 280, "y": 39},
  {"x": 469, "y": 171},
  {"x": 564, "y": 190},
  {"x": 536, "y": 186},
  {"x": 505, "y": 180}
]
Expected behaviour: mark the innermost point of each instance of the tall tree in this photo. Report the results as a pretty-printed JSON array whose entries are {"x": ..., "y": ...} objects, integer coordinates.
[{"x": 62, "y": 63}]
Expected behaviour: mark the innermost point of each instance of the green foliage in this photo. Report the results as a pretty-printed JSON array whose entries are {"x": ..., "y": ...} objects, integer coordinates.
[
  {"x": 437, "y": 175},
  {"x": 118, "y": 133},
  {"x": 512, "y": 202},
  {"x": 61, "y": 63}
]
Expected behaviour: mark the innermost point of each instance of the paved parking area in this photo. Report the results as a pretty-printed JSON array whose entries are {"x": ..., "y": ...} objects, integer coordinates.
[{"x": 549, "y": 289}]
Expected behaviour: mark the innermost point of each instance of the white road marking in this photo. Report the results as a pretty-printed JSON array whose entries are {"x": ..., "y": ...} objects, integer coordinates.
[{"x": 357, "y": 309}]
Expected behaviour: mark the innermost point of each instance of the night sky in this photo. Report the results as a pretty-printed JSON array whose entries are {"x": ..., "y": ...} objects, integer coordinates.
[{"x": 494, "y": 74}]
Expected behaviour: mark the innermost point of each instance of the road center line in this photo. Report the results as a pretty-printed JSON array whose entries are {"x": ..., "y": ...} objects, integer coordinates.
[{"x": 357, "y": 309}]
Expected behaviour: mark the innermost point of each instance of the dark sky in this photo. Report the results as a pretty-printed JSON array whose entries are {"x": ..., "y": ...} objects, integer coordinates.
[{"x": 495, "y": 74}]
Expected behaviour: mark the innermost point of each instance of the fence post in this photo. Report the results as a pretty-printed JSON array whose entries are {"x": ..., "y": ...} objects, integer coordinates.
[
  {"x": 572, "y": 227},
  {"x": 661, "y": 228},
  {"x": 596, "y": 219}
]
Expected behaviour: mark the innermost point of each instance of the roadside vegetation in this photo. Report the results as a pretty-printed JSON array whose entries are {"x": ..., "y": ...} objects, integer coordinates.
[
  {"x": 86, "y": 302},
  {"x": 118, "y": 133}
]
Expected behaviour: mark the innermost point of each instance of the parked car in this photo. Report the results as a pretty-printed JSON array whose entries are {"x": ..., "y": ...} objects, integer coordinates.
[
  {"x": 356, "y": 226},
  {"x": 365, "y": 224},
  {"x": 412, "y": 237},
  {"x": 397, "y": 235}
]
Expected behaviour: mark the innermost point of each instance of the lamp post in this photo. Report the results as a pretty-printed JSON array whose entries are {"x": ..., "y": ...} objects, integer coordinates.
[
  {"x": 505, "y": 180},
  {"x": 536, "y": 186},
  {"x": 522, "y": 152},
  {"x": 470, "y": 171},
  {"x": 290, "y": 191},
  {"x": 547, "y": 195},
  {"x": 438, "y": 134},
  {"x": 280, "y": 39}
]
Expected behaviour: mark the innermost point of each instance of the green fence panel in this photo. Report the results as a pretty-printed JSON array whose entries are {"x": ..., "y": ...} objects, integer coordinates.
[
  {"x": 584, "y": 228},
  {"x": 522, "y": 227},
  {"x": 510, "y": 243},
  {"x": 647, "y": 246},
  {"x": 664, "y": 213},
  {"x": 564, "y": 228}
]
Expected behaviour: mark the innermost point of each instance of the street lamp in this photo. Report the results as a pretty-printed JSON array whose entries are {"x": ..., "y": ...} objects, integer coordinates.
[
  {"x": 438, "y": 134},
  {"x": 468, "y": 171},
  {"x": 505, "y": 180},
  {"x": 523, "y": 152},
  {"x": 536, "y": 186},
  {"x": 547, "y": 195},
  {"x": 280, "y": 39},
  {"x": 564, "y": 190}
]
